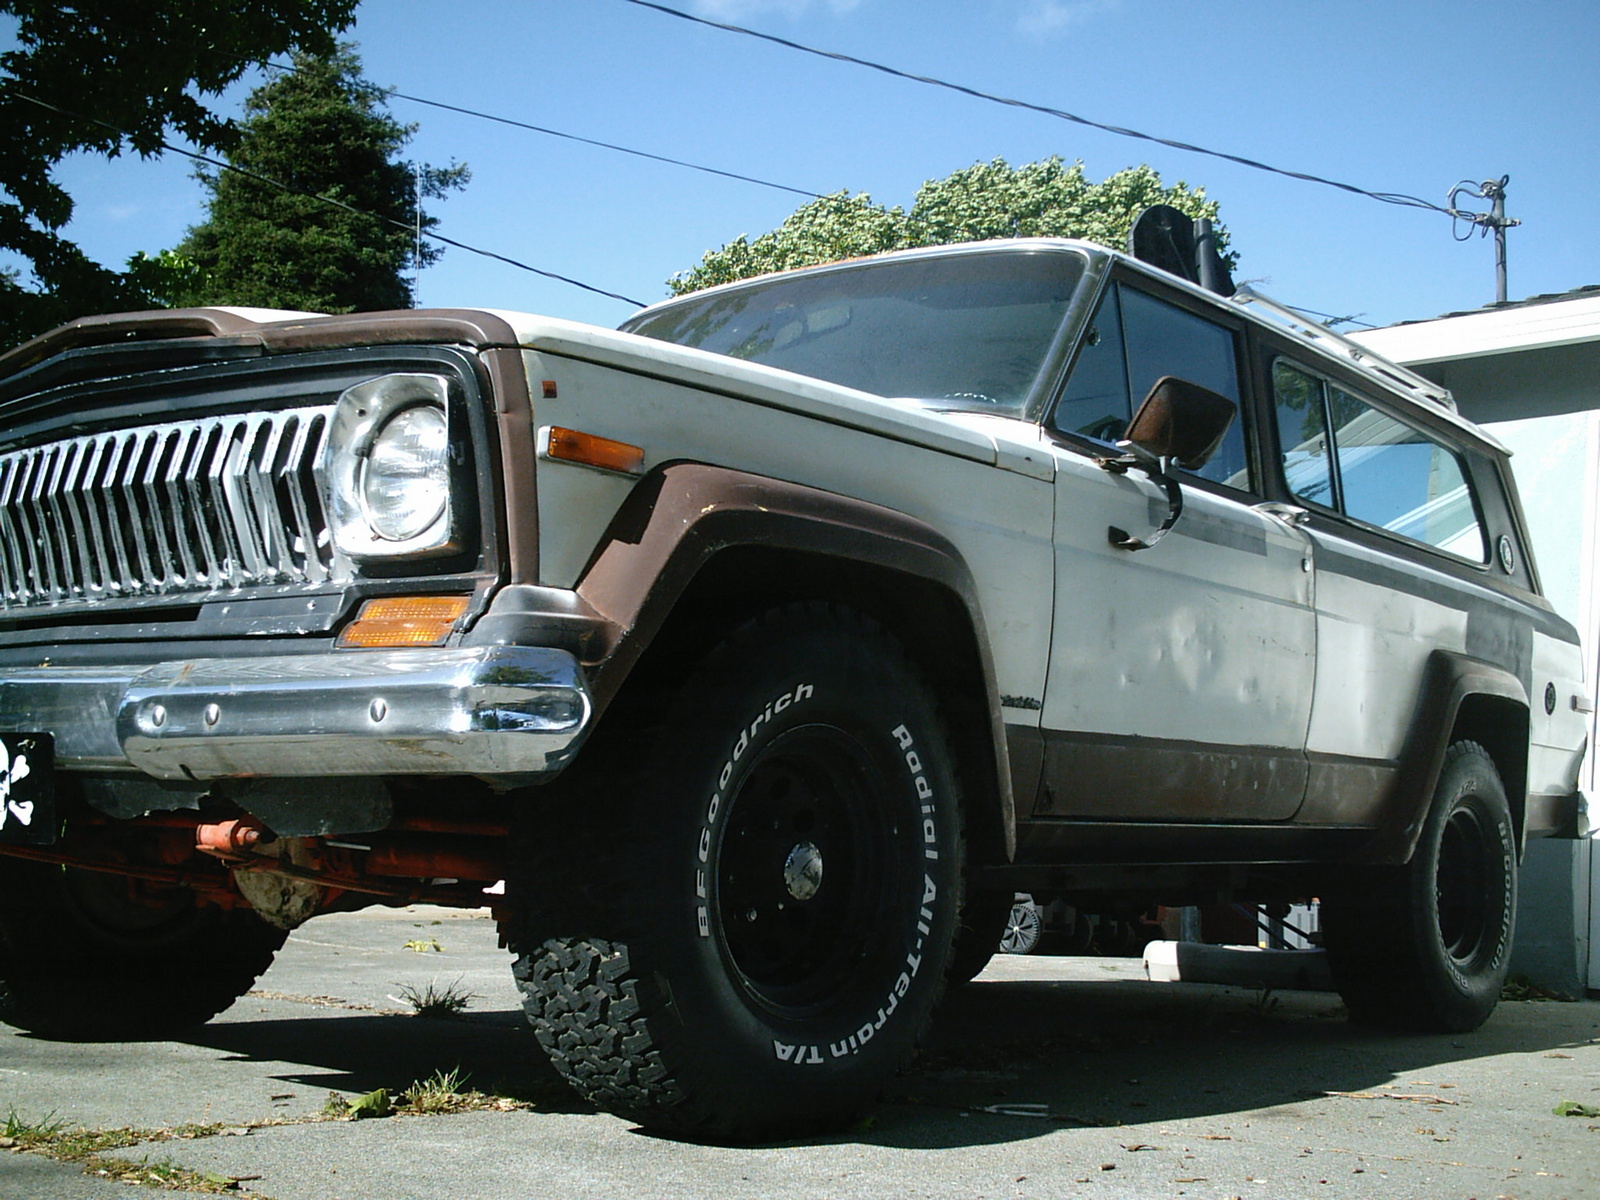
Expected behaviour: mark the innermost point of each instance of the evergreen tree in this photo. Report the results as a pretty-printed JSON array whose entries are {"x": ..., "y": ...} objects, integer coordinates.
[
  {"x": 983, "y": 201},
  {"x": 323, "y": 131}
]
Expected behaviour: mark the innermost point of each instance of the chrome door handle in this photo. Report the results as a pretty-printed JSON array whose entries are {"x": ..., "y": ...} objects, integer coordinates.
[{"x": 1289, "y": 514}]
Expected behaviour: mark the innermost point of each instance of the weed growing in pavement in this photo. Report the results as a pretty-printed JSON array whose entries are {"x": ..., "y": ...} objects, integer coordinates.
[
  {"x": 446, "y": 1092},
  {"x": 335, "y": 1107},
  {"x": 1264, "y": 1003},
  {"x": 432, "y": 1000},
  {"x": 424, "y": 945},
  {"x": 24, "y": 1132},
  {"x": 89, "y": 1149},
  {"x": 440, "y": 1092}
]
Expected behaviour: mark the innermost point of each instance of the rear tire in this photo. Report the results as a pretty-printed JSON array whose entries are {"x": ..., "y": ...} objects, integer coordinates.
[
  {"x": 739, "y": 923},
  {"x": 1425, "y": 946},
  {"x": 98, "y": 957}
]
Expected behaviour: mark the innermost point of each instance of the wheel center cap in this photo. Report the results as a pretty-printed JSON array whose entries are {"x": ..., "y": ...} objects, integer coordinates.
[{"x": 802, "y": 871}]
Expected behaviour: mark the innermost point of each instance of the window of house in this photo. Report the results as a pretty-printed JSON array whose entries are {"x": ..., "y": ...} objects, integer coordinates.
[
  {"x": 1340, "y": 452},
  {"x": 1133, "y": 341}
]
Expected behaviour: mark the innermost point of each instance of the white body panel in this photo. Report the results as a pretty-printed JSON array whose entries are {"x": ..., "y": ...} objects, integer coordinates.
[
  {"x": 1373, "y": 645},
  {"x": 1206, "y": 636},
  {"x": 942, "y": 471},
  {"x": 1553, "y": 764}
]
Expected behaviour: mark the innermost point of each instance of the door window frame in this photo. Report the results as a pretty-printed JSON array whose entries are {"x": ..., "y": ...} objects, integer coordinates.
[
  {"x": 1324, "y": 380},
  {"x": 1248, "y": 417}
]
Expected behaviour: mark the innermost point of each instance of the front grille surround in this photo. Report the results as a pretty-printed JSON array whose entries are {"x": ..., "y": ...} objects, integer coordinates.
[{"x": 179, "y": 508}]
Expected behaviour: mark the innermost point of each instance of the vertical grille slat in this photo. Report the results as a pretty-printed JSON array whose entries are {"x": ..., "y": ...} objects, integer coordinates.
[
  {"x": 178, "y": 509},
  {"x": 186, "y": 506},
  {"x": 17, "y": 504},
  {"x": 77, "y": 546},
  {"x": 62, "y": 543},
  {"x": 44, "y": 538},
  {"x": 103, "y": 576},
  {"x": 13, "y": 585},
  {"x": 141, "y": 524},
  {"x": 123, "y": 570}
]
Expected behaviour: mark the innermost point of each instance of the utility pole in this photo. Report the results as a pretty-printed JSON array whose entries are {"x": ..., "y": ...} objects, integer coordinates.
[{"x": 1495, "y": 220}]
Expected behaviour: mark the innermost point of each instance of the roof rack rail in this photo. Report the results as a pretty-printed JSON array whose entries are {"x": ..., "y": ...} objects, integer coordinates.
[{"x": 1418, "y": 386}]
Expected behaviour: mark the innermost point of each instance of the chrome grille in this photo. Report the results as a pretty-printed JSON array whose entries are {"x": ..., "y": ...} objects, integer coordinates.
[{"x": 190, "y": 506}]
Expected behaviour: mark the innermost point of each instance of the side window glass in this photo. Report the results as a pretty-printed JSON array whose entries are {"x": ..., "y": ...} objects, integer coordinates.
[
  {"x": 1164, "y": 340},
  {"x": 1133, "y": 341},
  {"x": 1096, "y": 401},
  {"x": 1303, "y": 434},
  {"x": 1395, "y": 477}
]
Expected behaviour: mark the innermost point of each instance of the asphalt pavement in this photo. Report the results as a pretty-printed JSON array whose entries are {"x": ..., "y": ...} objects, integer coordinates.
[{"x": 1048, "y": 1077}]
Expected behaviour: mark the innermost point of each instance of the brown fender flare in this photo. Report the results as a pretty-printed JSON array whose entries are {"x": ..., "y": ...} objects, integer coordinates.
[
  {"x": 682, "y": 515},
  {"x": 1457, "y": 693}
]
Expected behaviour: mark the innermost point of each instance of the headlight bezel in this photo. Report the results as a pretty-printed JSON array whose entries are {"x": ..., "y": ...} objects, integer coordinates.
[{"x": 361, "y": 416}]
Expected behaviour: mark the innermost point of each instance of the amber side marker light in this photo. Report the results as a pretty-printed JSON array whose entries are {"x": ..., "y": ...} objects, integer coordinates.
[
  {"x": 594, "y": 451},
  {"x": 403, "y": 621}
]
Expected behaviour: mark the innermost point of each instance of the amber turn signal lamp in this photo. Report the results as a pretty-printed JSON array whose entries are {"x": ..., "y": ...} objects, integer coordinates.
[
  {"x": 571, "y": 446},
  {"x": 403, "y": 621}
]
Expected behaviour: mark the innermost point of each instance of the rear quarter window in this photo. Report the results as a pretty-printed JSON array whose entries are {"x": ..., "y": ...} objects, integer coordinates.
[{"x": 1341, "y": 452}]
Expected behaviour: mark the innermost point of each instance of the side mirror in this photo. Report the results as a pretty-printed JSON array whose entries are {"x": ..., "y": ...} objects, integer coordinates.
[{"x": 1181, "y": 422}]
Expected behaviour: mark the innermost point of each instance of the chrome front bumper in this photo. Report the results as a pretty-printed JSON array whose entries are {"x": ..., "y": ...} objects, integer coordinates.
[{"x": 486, "y": 710}]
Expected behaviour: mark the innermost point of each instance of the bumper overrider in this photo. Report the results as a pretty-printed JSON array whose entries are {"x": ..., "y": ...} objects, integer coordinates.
[{"x": 493, "y": 711}]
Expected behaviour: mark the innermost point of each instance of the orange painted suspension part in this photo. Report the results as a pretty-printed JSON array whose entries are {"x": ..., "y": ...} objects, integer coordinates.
[
  {"x": 212, "y": 888},
  {"x": 229, "y": 839},
  {"x": 396, "y": 859}
]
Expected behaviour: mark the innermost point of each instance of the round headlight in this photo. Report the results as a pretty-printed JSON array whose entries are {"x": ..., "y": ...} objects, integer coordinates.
[{"x": 406, "y": 482}]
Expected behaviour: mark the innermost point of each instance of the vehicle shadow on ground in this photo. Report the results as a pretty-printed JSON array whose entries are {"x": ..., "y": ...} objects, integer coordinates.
[
  {"x": 1045, "y": 1054},
  {"x": 495, "y": 1053},
  {"x": 1052, "y": 1054}
]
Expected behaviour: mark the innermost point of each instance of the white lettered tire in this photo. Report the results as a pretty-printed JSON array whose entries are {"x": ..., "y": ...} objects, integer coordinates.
[{"x": 787, "y": 892}]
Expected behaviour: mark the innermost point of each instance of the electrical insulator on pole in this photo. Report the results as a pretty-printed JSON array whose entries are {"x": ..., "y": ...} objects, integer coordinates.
[{"x": 1495, "y": 220}]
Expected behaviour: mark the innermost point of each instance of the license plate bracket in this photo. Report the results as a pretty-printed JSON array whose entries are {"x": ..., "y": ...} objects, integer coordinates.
[{"x": 27, "y": 789}]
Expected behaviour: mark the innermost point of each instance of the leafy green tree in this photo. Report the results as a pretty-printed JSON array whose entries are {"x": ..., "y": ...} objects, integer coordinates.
[
  {"x": 983, "y": 201},
  {"x": 323, "y": 132},
  {"x": 118, "y": 76}
]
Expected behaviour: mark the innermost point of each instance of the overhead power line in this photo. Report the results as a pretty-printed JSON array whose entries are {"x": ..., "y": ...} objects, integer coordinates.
[
  {"x": 328, "y": 200},
  {"x": 1386, "y": 197},
  {"x": 573, "y": 137}
]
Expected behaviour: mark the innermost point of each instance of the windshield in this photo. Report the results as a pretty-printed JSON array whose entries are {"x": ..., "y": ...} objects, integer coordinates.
[{"x": 966, "y": 331}]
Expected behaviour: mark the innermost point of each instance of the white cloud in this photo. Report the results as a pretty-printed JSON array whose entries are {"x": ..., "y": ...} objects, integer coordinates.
[
  {"x": 1043, "y": 18},
  {"x": 742, "y": 10}
]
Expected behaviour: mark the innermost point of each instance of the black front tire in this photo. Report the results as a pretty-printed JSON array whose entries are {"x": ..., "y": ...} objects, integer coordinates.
[
  {"x": 1426, "y": 946},
  {"x": 89, "y": 956},
  {"x": 758, "y": 878},
  {"x": 984, "y": 921}
]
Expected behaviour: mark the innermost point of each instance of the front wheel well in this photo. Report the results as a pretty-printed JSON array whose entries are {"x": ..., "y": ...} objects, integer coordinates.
[{"x": 929, "y": 618}]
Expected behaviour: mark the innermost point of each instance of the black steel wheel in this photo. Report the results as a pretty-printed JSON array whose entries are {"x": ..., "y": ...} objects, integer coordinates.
[
  {"x": 776, "y": 904},
  {"x": 98, "y": 957},
  {"x": 1426, "y": 945}
]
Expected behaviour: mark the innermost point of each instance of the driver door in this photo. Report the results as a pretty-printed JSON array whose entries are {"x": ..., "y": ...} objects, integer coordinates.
[{"x": 1180, "y": 677}]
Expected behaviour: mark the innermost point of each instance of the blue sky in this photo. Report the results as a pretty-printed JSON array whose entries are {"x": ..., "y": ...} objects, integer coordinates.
[{"x": 1394, "y": 96}]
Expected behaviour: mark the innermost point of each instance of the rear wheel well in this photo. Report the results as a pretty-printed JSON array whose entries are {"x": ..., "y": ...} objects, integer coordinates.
[
  {"x": 1500, "y": 726},
  {"x": 927, "y": 617}
]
